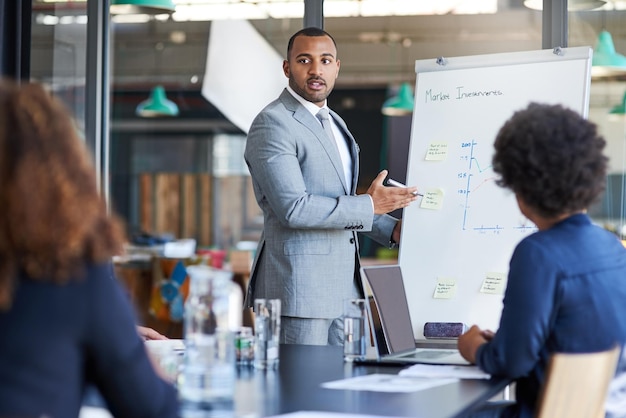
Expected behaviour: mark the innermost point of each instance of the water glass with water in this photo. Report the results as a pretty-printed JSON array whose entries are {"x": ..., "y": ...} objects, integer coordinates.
[
  {"x": 266, "y": 333},
  {"x": 211, "y": 311},
  {"x": 354, "y": 319}
]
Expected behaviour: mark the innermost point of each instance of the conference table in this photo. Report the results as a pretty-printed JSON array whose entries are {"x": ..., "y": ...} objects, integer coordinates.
[{"x": 296, "y": 386}]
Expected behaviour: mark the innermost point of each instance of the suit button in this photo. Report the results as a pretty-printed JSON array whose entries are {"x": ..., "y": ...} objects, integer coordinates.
[{"x": 351, "y": 240}]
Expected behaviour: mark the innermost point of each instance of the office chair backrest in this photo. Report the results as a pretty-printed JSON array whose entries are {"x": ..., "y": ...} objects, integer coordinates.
[{"x": 576, "y": 385}]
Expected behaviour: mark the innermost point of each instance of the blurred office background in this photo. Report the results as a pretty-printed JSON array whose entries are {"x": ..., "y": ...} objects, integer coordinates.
[{"x": 184, "y": 174}]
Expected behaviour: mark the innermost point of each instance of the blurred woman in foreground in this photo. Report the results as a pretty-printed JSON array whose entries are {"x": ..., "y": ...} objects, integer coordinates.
[{"x": 65, "y": 322}]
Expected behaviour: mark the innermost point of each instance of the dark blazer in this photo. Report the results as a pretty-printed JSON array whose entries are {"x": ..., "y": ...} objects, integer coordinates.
[{"x": 565, "y": 293}]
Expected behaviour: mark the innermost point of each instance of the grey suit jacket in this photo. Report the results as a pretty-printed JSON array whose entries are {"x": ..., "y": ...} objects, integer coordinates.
[{"x": 308, "y": 251}]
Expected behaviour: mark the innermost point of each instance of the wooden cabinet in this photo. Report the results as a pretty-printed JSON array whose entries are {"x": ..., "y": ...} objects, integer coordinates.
[{"x": 179, "y": 204}]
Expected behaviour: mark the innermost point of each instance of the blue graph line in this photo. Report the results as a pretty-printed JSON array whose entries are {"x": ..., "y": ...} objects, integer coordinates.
[
  {"x": 474, "y": 169},
  {"x": 468, "y": 189}
]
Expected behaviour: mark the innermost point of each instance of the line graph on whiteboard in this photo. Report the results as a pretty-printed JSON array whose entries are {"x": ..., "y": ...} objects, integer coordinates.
[{"x": 485, "y": 206}]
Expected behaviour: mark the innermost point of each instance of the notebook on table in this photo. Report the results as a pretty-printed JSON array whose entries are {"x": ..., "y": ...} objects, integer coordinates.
[{"x": 390, "y": 322}]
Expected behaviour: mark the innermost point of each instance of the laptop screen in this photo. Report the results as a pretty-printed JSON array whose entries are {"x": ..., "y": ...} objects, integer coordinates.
[{"x": 390, "y": 310}]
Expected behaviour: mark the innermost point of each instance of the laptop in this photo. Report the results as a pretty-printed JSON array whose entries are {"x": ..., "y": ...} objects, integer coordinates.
[{"x": 390, "y": 322}]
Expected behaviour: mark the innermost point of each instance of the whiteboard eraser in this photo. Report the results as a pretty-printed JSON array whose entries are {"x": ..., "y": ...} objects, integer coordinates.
[{"x": 444, "y": 329}]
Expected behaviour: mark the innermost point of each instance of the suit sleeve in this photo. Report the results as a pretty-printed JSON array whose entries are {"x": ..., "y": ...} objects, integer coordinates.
[
  {"x": 382, "y": 229},
  {"x": 292, "y": 177}
]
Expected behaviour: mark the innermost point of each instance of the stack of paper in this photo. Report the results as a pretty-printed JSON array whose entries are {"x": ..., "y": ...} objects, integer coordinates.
[
  {"x": 444, "y": 371},
  {"x": 387, "y": 383}
]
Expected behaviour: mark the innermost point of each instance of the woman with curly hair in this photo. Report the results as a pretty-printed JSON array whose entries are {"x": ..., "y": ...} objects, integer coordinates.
[
  {"x": 567, "y": 282},
  {"x": 65, "y": 321}
]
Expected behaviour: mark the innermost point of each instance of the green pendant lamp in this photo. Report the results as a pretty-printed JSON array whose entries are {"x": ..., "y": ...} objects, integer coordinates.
[
  {"x": 401, "y": 104},
  {"x": 620, "y": 109},
  {"x": 149, "y": 7},
  {"x": 606, "y": 61},
  {"x": 157, "y": 105}
]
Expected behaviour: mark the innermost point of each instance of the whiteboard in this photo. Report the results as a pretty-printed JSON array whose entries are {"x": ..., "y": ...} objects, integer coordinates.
[{"x": 458, "y": 238}]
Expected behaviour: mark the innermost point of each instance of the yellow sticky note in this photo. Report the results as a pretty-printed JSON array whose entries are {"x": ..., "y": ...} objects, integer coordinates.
[
  {"x": 494, "y": 283},
  {"x": 433, "y": 199},
  {"x": 437, "y": 151},
  {"x": 445, "y": 289}
]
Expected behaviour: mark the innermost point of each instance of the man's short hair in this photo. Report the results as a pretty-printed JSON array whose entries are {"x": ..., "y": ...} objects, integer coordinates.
[{"x": 311, "y": 31}]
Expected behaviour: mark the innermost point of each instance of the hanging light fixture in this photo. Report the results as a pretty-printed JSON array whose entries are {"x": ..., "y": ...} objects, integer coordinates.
[
  {"x": 401, "y": 104},
  {"x": 150, "y": 7},
  {"x": 606, "y": 61},
  {"x": 620, "y": 109},
  {"x": 157, "y": 105}
]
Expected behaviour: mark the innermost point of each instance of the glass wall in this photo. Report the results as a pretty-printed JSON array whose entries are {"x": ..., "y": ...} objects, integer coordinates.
[{"x": 58, "y": 52}]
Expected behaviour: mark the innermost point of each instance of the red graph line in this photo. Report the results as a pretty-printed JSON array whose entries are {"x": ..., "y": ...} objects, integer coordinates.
[{"x": 482, "y": 183}]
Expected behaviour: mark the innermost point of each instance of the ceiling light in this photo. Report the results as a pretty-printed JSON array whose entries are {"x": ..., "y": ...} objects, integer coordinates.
[
  {"x": 401, "y": 104},
  {"x": 157, "y": 105},
  {"x": 211, "y": 10},
  {"x": 142, "y": 6},
  {"x": 572, "y": 5},
  {"x": 606, "y": 61},
  {"x": 131, "y": 18},
  {"x": 207, "y": 12}
]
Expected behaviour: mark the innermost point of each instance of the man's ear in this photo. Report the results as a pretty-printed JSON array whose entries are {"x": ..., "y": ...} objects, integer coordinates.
[{"x": 286, "y": 68}]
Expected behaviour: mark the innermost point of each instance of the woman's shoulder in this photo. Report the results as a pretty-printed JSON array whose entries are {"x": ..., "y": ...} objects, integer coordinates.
[{"x": 100, "y": 269}]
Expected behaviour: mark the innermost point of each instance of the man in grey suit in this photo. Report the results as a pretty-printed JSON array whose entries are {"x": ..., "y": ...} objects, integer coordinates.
[{"x": 304, "y": 180}]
